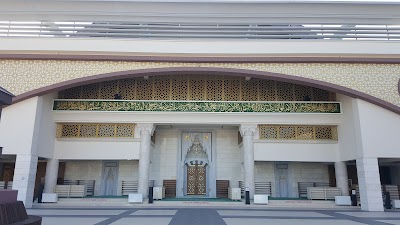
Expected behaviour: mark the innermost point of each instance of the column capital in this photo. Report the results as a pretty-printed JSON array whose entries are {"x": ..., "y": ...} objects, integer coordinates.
[
  {"x": 145, "y": 127},
  {"x": 247, "y": 129}
]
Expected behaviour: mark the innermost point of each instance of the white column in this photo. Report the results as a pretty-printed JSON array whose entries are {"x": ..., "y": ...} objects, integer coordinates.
[
  {"x": 370, "y": 184},
  {"x": 50, "y": 180},
  {"x": 247, "y": 131},
  {"x": 146, "y": 131},
  {"x": 341, "y": 177},
  {"x": 24, "y": 178}
]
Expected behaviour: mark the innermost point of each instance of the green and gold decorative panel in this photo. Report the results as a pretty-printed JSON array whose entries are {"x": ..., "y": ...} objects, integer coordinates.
[
  {"x": 197, "y": 106},
  {"x": 378, "y": 80}
]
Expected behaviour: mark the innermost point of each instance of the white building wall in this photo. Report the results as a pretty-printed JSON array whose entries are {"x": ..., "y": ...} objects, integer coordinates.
[
  {"x": 84, "y": 170},
  {"x": 164, "y": 156},
  {"x": 201, "y": 47},
  {"x": 19, "y": 135},
  {"x": 265, "y": 172},
  {"x": 346, "y": 130},
  {"x": 17, "y": 127},
  {"x": 297, "y": 172},
  {"x": 314, "y": 151},
  {"x": 229, "y": 156},
  {"x": 306, "y": 172},
  {"x": 128, "y": 171},
  {"x": 28, "y": 127},
  {"x": 92, "y": 170},
  {"x": 97, "y": 149},
  {"x": 379, "y": 131}
]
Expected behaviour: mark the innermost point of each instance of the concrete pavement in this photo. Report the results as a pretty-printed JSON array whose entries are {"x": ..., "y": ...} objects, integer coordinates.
[{"x": 211, "y": 216}]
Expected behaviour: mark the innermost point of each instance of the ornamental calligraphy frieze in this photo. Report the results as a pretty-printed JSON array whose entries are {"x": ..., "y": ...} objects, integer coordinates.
[{"x": 196, "y": 106}]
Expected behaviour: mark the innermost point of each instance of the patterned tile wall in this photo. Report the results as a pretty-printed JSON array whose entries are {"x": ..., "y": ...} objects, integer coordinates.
[{"x": 378, "y": 80}]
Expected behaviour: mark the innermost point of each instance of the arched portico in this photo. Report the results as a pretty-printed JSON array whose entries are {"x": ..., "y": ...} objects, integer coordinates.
[{"x": 230, "y": 134}]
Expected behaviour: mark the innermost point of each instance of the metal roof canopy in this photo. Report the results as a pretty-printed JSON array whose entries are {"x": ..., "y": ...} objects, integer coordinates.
[{"x": 205, "y": 12}]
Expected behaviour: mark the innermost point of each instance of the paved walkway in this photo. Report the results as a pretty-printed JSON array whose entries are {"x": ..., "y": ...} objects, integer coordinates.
[{"x": 212, "y": 216}]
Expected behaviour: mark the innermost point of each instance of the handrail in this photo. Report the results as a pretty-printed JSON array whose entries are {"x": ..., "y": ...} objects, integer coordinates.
[{"x": 134, "y": 30}]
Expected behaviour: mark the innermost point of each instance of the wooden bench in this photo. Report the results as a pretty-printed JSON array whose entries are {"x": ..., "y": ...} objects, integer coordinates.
[
  {"x": 77, "y": 191},
  {"x": 262, "y": 188},
  {"x": 241, "y": 186},
  {"x": 222, "y": 188},
  {"x": 6, "y": 185},
  {"x": 170, "y": 188},
  {"x": 393, "y": 191},
  {"x": 62, "y": 191},
  {"x": 323, "y": 193},
  {"x": 302, "y": 187},
  {"x": 67, "y": 191},
  {"x": 129, "y": 187},
  {"x": 90, "y": 185}
]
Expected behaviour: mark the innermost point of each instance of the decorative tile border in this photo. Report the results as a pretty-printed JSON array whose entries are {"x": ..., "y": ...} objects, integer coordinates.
[
  {"x": 196, "y": 106},
  {"x": 377, "y": 80}
]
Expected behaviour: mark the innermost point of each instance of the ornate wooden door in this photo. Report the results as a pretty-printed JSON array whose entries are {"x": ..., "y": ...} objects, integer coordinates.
[{"x": 196, "y": 180}]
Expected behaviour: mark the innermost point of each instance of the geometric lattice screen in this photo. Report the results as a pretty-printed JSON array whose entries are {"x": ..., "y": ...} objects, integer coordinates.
[
  {"x": 294, "y": 132},
  {"x": 198, "y": 87},
  {"x": 91, "y": 130}
]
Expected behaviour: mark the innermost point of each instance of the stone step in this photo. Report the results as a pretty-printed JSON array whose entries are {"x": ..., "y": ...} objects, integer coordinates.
[{"x": 123, "y": 202}]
